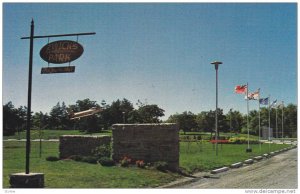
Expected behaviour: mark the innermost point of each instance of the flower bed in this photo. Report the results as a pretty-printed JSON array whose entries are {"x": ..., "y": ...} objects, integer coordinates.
[
  {"x": 234, "y": 140},
  {"x": 220, "y": 141}
]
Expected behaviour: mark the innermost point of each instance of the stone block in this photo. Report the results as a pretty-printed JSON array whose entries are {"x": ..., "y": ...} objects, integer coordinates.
[
  {"x": 22, "y": 180},
  {"x": 148, "y": 142},
  {"x": 80, "y": 144}
]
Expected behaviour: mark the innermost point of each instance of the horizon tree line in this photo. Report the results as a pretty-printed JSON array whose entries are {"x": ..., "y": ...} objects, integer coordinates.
[{"x": 120, "y": 111}]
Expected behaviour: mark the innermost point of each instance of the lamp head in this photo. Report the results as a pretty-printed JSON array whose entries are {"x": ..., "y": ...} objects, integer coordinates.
[{"x": 216, "y": 63}]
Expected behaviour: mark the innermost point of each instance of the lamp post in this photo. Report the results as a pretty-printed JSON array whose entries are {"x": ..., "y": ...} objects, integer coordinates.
[
  {"x": 123, "y": 117},
  {"x": 216, "y": 64}
]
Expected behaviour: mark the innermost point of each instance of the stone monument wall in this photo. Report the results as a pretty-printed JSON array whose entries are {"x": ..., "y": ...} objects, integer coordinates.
[
  {"x": 148, "y": 142},
  {"x": 80, "y": 144}
]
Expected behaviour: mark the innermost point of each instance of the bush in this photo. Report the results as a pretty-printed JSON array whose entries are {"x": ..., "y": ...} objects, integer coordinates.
[
  {"x": 76, "y": 158},
  {"x": 161, "y": 166},
  {"x": 104, "y": 161},
  {"x": 90, "y": 159},
  {"x": 242, "y": 140},
  {"x": 52, "y": 158},
  {"x": 102, "y": 151}
]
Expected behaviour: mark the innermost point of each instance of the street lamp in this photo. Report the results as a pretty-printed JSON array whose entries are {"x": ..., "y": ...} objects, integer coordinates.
[
  {"x": 123, "y": 120},
  {"x": 123, "y": 117},
  {"x": 216, "y": 64}
]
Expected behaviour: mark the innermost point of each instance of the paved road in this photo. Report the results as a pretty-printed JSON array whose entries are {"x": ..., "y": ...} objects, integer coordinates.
[{"x": 278, "y": 172}]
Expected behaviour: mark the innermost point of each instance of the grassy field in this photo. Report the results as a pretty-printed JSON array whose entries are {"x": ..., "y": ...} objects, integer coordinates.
[
  {"x": 202, "y": 157},
  {"x": 77, "y": 174},
  {"x": 193, "y": 157},
  {"x": 51, "y": 134}
]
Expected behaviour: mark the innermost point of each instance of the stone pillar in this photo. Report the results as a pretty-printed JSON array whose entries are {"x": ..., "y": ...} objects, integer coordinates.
[{"x": 22, "y": 180}]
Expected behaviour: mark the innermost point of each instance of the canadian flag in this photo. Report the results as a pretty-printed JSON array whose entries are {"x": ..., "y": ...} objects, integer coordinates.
[{"x": 240, "y": 89}]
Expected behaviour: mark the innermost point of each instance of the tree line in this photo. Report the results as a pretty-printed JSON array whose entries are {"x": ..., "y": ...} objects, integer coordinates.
[
  {"x": 236, "y": 122},
  {"x": 123, "y": 111},
  {"x": 119, "y": 111}
]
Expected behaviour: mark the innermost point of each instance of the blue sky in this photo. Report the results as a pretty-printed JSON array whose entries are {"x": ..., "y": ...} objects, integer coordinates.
[{"x": 154, "y": 52}]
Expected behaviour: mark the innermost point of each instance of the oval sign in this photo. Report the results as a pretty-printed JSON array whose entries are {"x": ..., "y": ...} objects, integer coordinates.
[{"x": 62, "y": 51}]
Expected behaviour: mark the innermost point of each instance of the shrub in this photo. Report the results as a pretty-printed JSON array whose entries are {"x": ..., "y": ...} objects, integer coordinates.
[
  {"x": 90, "y": 159},
  {"x": 52, "y": 158},
  {"x": 242, "y": 140},
  {"x": 161, "y": 166},
  {"x": 125, "y": 161},
  {"x": 76, "y": 157},
  {"x": 102, "y": 151},
  {"x": 105, "y": 161}
]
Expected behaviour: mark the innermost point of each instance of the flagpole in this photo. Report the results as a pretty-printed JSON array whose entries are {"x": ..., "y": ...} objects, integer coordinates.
[
  {"x": 248, "y": 149},
  {"x": 282, "y": 121},
  {"x": 269, "y": 120},
  {"x": 276, "y": 123},
  {"x": 259, "y": 119}
]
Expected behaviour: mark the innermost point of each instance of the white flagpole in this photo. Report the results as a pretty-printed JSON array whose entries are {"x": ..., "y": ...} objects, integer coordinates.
[
  {"x": 248, "y": 150},
  {"x": 282, "y": 121},
  {"x": 259, "y": 119},
  {"x": 276, "y": 122},
  {"x": 269, "y": 117}
]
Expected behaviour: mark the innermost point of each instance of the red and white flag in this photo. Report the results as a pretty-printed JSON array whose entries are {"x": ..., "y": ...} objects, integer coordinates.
[
  {"x": 240, "y": 89},
  {"x": 253, "y": 95}
]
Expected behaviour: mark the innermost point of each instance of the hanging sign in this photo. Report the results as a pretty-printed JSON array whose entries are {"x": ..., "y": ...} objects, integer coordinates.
[
  {"x": 62, "y": 51},
  {"x": 67, "y": 69}
]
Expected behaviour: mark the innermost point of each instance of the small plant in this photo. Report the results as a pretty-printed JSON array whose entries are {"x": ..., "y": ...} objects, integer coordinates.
[
  {"x": 52, "y": 158},
  {"x": 102, "y": 151},
  {"x": 90, "y": 159},
  {"x": 105, "y": 161},
  {"x": 125, "y": 161},
  {"x": 140, "y": 163},
  {"x": 161, "y": 166}
]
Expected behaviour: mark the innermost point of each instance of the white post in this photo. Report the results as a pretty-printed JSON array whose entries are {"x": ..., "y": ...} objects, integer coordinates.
[
  {"x": 259, "y": 119},
  {"x": 248, "y": 149},
  {"x": 276, "y": 123},
  {"x": 269, "y": 121},
  {"x": 282, "y": 121}
]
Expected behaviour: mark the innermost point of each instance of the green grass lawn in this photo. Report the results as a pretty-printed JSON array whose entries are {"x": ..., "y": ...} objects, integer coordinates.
[
  {"x": 51, "y": 134},
  {"x": 193, "y": 157},
  {"x": 202, "y": 157},
  {"x": 71, "y": 174}
]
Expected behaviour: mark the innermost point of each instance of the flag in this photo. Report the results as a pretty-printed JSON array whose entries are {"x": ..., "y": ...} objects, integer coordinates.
[
  {"x": 264, "y": 101},
  {"x": 281, "y": 105},
  {"x": 273, "y": 103},
  {"x": 253, "y": 95},
  {"x": 240, "y": 89}
]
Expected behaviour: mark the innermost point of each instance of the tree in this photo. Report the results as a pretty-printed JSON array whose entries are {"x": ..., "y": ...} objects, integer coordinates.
[
  {"x": 56, "y": 117},
  {"x": 40, "y": 120},
  {"x": 237, "y": 121},
  {"x": 9, "y": 118},
  {"x": 290, "y": 121},
  {"x": 186, "y": 121},
  {"x": 146, "y": 114},
  {"x": 89, "y": 124}
]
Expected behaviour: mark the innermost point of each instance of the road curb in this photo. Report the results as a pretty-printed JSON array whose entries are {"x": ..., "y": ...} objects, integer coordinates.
[
  {"x": 258, "y": 158},
  {"x": 219, "y": 170},
  {"x": 236, "y": 165},
  {"x": 249, "y": 161},
  {"x": 272, "y": 154},
  {"x": 266, "y": 155}
]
